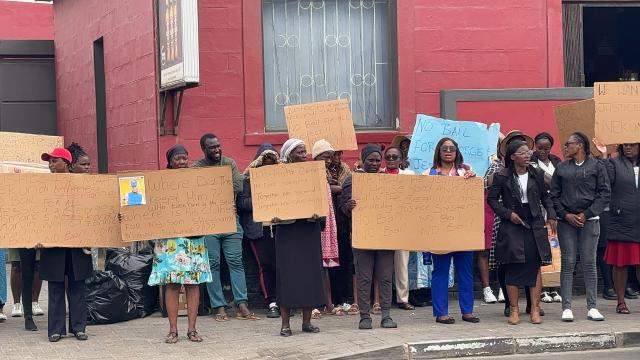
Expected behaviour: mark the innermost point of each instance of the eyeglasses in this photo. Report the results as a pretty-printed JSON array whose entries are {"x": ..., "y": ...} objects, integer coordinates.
[
  {"x": 391, "y": 157},
  {"x": 569, "y": 143},
  {"x": 523, "y": 153},
  {"x": 451, "y": 148}
]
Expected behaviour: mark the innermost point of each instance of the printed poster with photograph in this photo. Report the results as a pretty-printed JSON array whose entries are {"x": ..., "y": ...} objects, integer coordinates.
[{"x": 132, "y": 191}]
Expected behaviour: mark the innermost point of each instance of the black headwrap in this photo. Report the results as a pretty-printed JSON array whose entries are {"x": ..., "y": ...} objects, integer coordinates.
[
  {"x": 544, "y": 135},
  {"x": 368, "y": 150},
  {"x": 176, "y": 149}
]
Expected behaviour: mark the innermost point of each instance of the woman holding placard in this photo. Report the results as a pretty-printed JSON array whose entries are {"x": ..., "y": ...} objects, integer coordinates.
[
  {"x": 58, "y": 264},
  {"x": 448, "y": 161},
  {"x": 299, "y": 272},
  {"x": 522, "y": 246}
]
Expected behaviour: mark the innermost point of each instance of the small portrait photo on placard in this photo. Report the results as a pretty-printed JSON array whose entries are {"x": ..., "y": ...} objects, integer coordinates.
[{"x": 132, "y": 191}]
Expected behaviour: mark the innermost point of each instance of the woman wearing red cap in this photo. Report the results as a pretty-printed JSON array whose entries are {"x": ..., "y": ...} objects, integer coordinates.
[{"x": 58, "y": 263}]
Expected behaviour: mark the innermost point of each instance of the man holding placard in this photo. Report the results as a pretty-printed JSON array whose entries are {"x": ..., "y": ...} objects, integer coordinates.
[{"x": 230, "y": 243}]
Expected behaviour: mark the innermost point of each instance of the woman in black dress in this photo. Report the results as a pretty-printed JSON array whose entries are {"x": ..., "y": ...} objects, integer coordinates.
[
  {"x": 299, "y": 271},
  {"x": 522, "y": 245}
]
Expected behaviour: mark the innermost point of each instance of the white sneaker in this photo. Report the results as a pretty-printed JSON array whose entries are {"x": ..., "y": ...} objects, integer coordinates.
[
  {"x": 489, "y": 298},
  {"x": 595, "y": 315},
  {"x": 37, "y": 310},
  {"x": 3, "y": 317},
  {"x": 545, "y": 297},
  {"x": 567, "y": 315},
  {"x": 16, "y": 311},
  {"x": 500, "y": 296},
  {"x": 556, "y": 297}
]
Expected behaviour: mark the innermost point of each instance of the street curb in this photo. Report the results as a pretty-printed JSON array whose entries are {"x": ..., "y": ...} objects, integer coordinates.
[{"x": 501, "y": 346}]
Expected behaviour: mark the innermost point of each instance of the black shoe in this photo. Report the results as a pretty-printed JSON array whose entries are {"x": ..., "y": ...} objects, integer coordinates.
[
  {"x": 609, "y": 294},
  {"x": 274, "y": 312},
  {"x": 81, "y": 335},
  {"x": 631, "y": 294},
  {"x": 507, "y": 311},
  {"x": 29, "y": 324},
  {"x": 388, "y": 323},
  {"x": 447, "y": 321},
  {"x": 310, "y": 328},
  {"x": 285, "y": 332},
  {"x": 55, "y": 338},
  {"x": 365, "y": 324}
]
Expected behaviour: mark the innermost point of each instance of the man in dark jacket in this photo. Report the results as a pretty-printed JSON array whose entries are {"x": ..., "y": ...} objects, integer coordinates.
[
  {"x": 580, "y": 191},
  {"x": 260, "y": 237}
]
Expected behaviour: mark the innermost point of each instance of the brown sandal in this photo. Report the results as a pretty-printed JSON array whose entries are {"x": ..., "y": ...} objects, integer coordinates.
[
  {"x": 354, "y": 309},
  {"x": 222, "y": 317},
  {"x": 376, "y": 309},
  {"x": 249, "y": 316},
  {"x": 193, "y": 336},
  {"x": 171, "y": 338},
  {"x": 622, "y": 309}
]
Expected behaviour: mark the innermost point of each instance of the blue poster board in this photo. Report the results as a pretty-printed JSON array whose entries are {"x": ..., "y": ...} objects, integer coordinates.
[{"x": 477, "y": 142}]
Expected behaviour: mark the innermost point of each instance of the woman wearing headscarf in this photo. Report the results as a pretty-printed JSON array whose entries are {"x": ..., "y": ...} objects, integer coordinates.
[
  {"x": 370, "y": 263},
  {"x": 623, "y": 247},
  {"x": 178, "y": 262},
  {"x": 516, "y": 195},
  {"x": 60, "y": 264},
  {"x": 299, "y": 272},
  {"x": 448, "y": 161},
  {"x": 260, "y": 237},
  {"x": 580, "y": 190}
]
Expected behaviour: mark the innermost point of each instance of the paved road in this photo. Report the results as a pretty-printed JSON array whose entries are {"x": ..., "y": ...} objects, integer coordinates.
[{"x": 611, "y": 354}]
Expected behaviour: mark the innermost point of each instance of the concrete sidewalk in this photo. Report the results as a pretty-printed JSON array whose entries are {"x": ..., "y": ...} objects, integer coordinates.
[{"x": 339, "y": 336}]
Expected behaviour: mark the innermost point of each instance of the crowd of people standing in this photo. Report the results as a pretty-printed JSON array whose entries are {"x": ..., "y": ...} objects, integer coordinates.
[{"x": 310, "y": 266}]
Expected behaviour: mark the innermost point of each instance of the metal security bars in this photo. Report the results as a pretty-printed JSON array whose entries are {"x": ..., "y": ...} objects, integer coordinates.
[{"x": 327, "y": 50}]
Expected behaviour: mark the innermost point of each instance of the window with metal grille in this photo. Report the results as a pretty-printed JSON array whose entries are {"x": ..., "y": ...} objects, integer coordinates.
[{"x": 327, "y": 50}]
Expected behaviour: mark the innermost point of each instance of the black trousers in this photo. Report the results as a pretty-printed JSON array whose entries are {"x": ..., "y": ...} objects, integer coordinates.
[
  {"x": 372, "y": 264},
  {"x": 264, "y": 250},
  {"x": 77, "y": 307},
  {"x": 27, "y": 269},
  {"x": 342, "y": 276},
  {"x": 605, "y": 269}
]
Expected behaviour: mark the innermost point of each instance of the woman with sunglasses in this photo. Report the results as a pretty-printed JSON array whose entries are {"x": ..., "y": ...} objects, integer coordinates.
[
  {"x": 393, "y": 159},
  {"x": 623, "y": 246},
  {"x": 580, "y": 190},
  {"x": 448, "y": 161},
  {"x": 522, "y": 246}
]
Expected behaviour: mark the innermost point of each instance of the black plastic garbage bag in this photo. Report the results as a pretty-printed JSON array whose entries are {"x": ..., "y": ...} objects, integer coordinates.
[
  {"x": 108, "y": 300},
  {"x": 134, "y": 270}
]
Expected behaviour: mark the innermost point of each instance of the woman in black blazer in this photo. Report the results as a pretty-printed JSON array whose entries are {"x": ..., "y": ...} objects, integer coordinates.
[
  {"x": 74, "y": 264},
  {"x": 522, "y": 245}
]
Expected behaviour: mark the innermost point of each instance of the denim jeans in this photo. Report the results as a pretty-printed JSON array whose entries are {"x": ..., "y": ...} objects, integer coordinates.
[
  {"x": 231, "y": 245},
  {"x": 572, "y": 240},
  {"x": 3, "y": 279}
]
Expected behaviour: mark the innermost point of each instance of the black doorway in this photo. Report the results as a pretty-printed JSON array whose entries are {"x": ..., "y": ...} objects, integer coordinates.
[{"x": 101, "y": 106}]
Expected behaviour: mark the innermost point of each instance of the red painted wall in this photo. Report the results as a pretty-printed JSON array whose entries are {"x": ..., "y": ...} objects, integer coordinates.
[
  {"x": 442, "y": 44},
  {"x": 25, "y": 21},
  {"x": 127, "y": 29}
]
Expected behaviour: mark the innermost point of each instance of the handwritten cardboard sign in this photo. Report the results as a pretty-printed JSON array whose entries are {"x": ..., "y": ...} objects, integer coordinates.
[
  {"x": 7, "y": 167},
  {"x": 329, "y": 120},
  {"x": 184, "y": 202},
  {"x": 577, "y": 116},
  {"x": 477, "y": 142},
  {"x": 27, "y": 148},
  {"x": 59, "y": 210},
  {"x": 617, "y": 108},
  {"x": 417, "y": 212},
  {"x": 291, "y": 191}
]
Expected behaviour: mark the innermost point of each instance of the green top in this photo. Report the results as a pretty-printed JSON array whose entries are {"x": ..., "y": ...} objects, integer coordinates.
[{"x": 224, "y": 161}]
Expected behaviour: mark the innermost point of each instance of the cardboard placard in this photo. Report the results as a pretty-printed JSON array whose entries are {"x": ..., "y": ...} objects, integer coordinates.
[
  {"x": 577, "y": 116},
  {"x": 551, "y": 273},
  {"x": 329, "y": 120},
  {"x": 27, "y": 148},
  {"x": 17, "y": 168},
  {"x": 184, "y": 202},
  {"x": 477, "y": 142},
  {"x": 59, "y": 210},
  {"x": 290, "y": 191},
  {"x": 420, "y": 213},
  {"x": 617, "y": 112}
]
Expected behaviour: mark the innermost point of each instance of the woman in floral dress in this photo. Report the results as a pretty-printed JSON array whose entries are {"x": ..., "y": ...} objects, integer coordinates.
[{"x": 180, "y": 262}]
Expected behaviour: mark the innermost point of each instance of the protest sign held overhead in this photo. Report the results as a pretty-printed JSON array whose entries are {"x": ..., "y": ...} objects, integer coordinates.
[
  {"x": 27, "y": 148},
  {"x": 617, "y": 112},
  {"x": 59, "y": 210},
  {"x": 329, "y": 120},
  {"x": 288, "y": 192},
  {"x": 477, "y": 142},
  {"x": 577, "y": 116},
  {"x": 422, "y": 213},
  {"x": 177, "y": 203}
]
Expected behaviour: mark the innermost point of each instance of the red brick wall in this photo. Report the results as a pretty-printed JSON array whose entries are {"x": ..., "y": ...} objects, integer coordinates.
[
  {"x": 129, "y": 42},
  {"x": 25, "y": 21}
]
